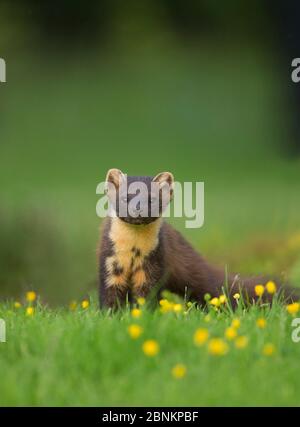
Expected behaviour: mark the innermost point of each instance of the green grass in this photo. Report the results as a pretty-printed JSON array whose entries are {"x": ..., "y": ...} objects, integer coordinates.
[
  {"x": 84, "y": 357},
  {"x": 207, "y": 114},
  {"x": 213, "y": 114}
]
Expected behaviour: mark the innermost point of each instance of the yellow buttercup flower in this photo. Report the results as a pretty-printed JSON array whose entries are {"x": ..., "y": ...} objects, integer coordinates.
[
  {"x": 230, "y": 333},
  {"x": 293, "y": 308},
  {"x": 222, "y": 299},
  {"x": 85, "y": 304},
  {"x": 200, "y": 336},
  {"x": 236, "y": 323},
  {"x": 217, "y": 347},
  {"x": 261, "y": 323},
  {"x": 166, "y": 306},
  {"x": 29, "y": 311},
  {"x": 150, "y": 348},
  {"x": 30, "y": 296},
  {"x": 271, "y": 287},
  {"x": 177, "y": 308},
  {"x": 215, "y": 302},
  {"x": 73, "y": 305},
  {"x": 241, "y": 342},
  {"x": 179, "y": 371},
  {"x": 17, "y": 304},
  {"x": 141, "y": 301},
  {"x": 135, "y": 331},
  {"x": 259, "y": 290},
  {"x": 236, "y": 296},
  {"x": 268, "y": 349},
  {"x": 136, "y": 313}
]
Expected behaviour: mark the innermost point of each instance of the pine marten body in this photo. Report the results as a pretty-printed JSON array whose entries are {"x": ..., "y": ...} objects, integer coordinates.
[{"x": 137, "y": 254}]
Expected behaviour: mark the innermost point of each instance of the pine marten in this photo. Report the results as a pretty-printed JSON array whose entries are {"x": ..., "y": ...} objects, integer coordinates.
[{"x": 139, "y": 253}]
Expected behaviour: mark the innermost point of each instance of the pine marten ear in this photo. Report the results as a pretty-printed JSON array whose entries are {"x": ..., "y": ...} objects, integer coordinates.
[
  {"x": 164, "y": 178},
  {"x": 115, "y": 177}
]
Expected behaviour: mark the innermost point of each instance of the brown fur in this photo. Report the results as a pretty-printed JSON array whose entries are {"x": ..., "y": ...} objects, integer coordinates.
[{"x": 136, "y": 258}]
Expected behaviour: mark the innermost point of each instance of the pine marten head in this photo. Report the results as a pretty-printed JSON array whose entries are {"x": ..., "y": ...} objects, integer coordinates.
[{"x": 138, "y": 199}]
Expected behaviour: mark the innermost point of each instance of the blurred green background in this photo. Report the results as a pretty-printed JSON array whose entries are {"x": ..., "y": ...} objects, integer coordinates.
[{"x": 195, "y": 88}]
